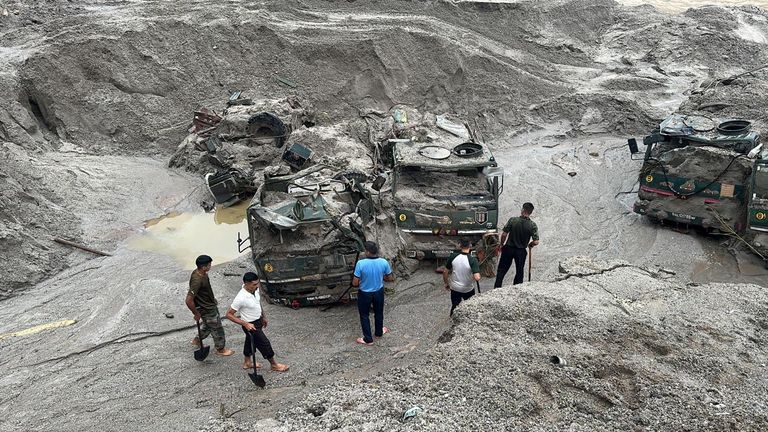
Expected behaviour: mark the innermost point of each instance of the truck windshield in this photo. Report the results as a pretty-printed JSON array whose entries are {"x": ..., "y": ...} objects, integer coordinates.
[{"x": 423, "y": 186}]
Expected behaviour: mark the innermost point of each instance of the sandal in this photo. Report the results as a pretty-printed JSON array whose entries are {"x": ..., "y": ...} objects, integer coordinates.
[{"x": 384, "y": 330}]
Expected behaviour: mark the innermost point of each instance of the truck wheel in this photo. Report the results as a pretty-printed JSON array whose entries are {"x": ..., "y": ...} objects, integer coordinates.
[{"x": 268, "y": 126}]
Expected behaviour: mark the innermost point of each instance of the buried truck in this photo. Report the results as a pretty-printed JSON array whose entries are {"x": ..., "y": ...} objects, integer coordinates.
[
  {"x": 699, "y": 171},
  {"x": 444, "y": 190},
  {"x": 305, "y": 233}
]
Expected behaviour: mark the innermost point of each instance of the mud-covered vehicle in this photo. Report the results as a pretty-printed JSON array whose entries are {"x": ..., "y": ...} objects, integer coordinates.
[
  {"x": 704, "y": 172},
  {"x": 305, "y": 231},
  {"x": 444, "y": 190}
]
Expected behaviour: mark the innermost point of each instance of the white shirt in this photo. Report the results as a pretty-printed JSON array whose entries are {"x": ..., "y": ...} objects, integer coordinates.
[
  {"x": 249, "y": 305},
  {"x": 462, "y": 278}
]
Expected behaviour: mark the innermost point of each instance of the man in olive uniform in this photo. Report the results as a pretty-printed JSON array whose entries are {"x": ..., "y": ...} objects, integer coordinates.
[
  {"x": 203, "y": 305},
  {"x": 518, "y": 234}
]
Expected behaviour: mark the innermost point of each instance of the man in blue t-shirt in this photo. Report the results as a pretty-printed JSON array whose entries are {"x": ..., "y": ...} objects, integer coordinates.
[{"x": 369, "y": 277}]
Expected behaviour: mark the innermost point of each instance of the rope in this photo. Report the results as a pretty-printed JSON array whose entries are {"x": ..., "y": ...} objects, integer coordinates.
[
  {"x": 168, "y": 209},
  {"x": 729, "y": 231}
]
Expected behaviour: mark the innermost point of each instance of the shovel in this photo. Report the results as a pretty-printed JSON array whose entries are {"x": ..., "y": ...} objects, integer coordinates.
[
  {"x": 255, "y": 377},
  {"x": 530, "y": 260},
  {"x": 201, "y": 353}
]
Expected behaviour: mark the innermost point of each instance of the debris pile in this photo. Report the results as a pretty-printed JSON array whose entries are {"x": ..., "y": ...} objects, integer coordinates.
[
  {"x": 245, "y": 136},
  {"x": 608, "y": 347}
]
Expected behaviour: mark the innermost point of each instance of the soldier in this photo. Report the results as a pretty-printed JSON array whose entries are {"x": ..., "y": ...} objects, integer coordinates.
[
  {"x": 202, "y": 303},
  {"x": 518, "y": 234}
]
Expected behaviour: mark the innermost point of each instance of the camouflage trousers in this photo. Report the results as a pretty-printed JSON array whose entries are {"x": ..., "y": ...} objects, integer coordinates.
[{"x": 210, "y": 324}]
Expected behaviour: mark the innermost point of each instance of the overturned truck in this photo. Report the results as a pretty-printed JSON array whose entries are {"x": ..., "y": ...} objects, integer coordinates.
[
  {"x": 306, "y": 235},
  {"x": 708, "y": 173}
]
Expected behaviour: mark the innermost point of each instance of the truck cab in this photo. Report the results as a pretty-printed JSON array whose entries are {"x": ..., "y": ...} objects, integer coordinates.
[
  {"x": 306, "y": 237},
  {"x": 698, "y": 171},
  {"x": 443, "y": 191}
]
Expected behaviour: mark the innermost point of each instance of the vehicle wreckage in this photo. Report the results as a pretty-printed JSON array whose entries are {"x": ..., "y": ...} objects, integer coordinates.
[
  {"x": 316, "y": 192},
  {"x": 306, "y": 234},
  {"x": 709, "y": 173}
]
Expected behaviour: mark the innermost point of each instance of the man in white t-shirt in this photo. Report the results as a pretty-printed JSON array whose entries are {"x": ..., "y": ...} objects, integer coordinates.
[
  {"x": 462, "y": 272},
  {"x": 252, "y": 319}
]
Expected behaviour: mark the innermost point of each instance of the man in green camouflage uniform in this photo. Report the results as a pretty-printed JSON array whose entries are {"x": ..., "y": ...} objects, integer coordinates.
[{"x": 202, "y": 303}]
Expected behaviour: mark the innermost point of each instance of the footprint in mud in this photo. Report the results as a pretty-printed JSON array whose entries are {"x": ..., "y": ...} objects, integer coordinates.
[{"x": 400, "y": 351}]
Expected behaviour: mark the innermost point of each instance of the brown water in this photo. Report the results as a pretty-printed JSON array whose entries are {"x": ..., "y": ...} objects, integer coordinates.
[
  {"x": 677, "y": 6},
  {"x": 184, "y": 236}
]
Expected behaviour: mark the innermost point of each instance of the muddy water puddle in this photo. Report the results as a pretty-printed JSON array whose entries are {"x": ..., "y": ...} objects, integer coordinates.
[{"x": 184, "y": 236}]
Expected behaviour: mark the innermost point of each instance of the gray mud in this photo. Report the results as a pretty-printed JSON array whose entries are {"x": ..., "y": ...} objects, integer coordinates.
[
  {"x": 629, "y": 344},
  {"x": 99, "y": 96}
]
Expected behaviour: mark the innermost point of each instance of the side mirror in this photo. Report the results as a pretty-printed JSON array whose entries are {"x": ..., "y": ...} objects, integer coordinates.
[
  {"x": 240, "y": 242},
  {"x": 632, "y": 143}
]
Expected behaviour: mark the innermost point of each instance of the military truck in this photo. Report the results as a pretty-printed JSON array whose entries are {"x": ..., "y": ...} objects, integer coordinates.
[
  {"x": 705, "y": 172},
  {"x": 305, "y": 233},
  {"x": 443, "y": 190}
]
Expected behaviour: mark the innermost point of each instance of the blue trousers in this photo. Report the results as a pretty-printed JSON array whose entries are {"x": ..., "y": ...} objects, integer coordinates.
[{"x": 364, "y": 300}]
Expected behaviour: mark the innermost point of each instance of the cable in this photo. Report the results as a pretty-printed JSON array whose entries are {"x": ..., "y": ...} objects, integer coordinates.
[
  {"x": 632, "y": 190},
  {"x": 695, "y": 192},
  {"x": 173, "y": 207}
]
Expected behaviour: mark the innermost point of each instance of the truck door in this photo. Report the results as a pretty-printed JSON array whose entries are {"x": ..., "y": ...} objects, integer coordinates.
[{"x": 758, "y": 197}]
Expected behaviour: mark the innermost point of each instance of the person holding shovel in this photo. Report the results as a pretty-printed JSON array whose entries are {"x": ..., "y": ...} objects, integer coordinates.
[
  {"x": 203, "y": 305},
  {"x": 518, "y": 234},
  {"x": 461, "y": 274},
  {"x": 253, "y": 321}
]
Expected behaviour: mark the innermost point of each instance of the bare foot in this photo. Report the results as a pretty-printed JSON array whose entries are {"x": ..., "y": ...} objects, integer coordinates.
[
  {"x": 224, "y": 352},
  {"x": 279, "y": 367},
  {"x": 362, "y": 341}
]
